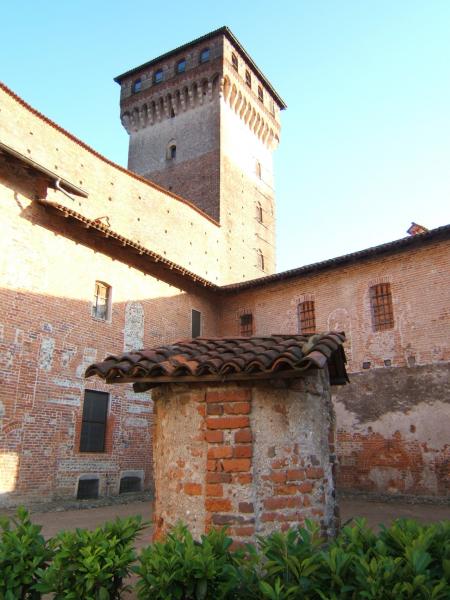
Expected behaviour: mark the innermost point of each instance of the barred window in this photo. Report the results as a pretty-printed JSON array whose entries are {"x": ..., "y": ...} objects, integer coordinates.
[
  {"x": 248, "y": 78},
  {"x": 307, "y": 317},
  {"x": 246, "y": 324},
  {"x": 102, "y": 299},
  {"x": 93, "y": 426},
  {"x": 234, "y": 61},
  {"x": 260, "y": 94},
  {"x": 381, "y": 307}
]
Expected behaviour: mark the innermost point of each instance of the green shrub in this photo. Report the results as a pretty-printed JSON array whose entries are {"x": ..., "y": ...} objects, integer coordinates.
[
  {"x": 404, "y": 561},
  {"x": 23, "y": 551},
  {"x": 182, "y": 569},
  {"x": 92, "y": 564}
]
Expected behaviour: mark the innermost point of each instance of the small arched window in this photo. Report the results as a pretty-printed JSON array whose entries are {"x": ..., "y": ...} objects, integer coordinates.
[
  {"x": 248, "y": 78},
  {"x": 171, "y": 153},
  {"x": 261, "y": 262},
  {"x": 258, "y": 169},
  {"x": 181, "y": 66},
  {"x": 204, "y": 55},
  {"x": 260, "y": 94},
  {"x": 158, "y": 76},
  {"x": 137, "y": 86},
  {"x": 259, "y": 212},
  {"x": 234, "y": 61}
]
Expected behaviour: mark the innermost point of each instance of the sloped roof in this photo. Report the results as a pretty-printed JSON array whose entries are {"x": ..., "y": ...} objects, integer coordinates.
[{"x": 225, "y": 359}]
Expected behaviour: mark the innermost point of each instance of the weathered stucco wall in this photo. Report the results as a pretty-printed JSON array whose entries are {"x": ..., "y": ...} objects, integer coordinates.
[
  {"x": 391, "y": 417},
  {"x": 252, "y": 458}
]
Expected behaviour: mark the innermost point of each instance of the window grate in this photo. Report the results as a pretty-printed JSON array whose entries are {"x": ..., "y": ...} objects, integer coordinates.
[
  {"x": 246, "y": 324},
  {"x": 130, "y": 484},
  {"x": 381, "y": 306},
  {"x": 87, "y": 489},
  {"x": 93, "y": 426},
  {"x": 307, "y": 317}
]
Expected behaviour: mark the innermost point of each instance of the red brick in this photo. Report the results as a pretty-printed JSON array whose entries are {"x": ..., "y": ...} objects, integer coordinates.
[
  {"x": 227, "y": 422},
  {"x": 213, "y": 505},
  {"x": 246, "y": 507},
  {"x": 220, "y": 452},
  {"x": 243, "y": 478},
  {"x": 214, "y": 489},
  {"x": 211, "y": 465},
  {"x": 279, "y": 464},
  {"x": 244, "y": 436},
  {"x": 193, "y": 489},
  {"x": 286, "y": 490},
  {"x": 295, "y": 474},
  {"x": 236, "y": 464},
  {"x": 276, "y": 503},
  {"x": 237, "y": 408},
  {"x": 244, "y": 531},
  {"x": 306, "y": 487},
  {"x": 314, "y": 473},
  {"x": 243, "y": 451},
  {"x": 214, "y": 437},
  {"x": 218, "y": 477},
  {"x": 236, "y": 395},
  {"x": 215, "y": 409}
]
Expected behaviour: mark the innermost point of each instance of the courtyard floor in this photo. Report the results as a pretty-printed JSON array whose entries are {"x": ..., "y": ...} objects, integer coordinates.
[{"x": 374, "y": 512}]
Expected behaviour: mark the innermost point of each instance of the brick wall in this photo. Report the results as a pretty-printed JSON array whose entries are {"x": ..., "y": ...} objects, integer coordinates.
[
  {"x": 390, "y": 418},
  {"x": 252, "y": 458}
]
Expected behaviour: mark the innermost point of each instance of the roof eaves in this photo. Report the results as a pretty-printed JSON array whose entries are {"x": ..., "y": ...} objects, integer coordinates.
[
  {"x": 339, "y": 261},
  {"x": 85, "y": 146},
  {"x": 126, "y": 242}
]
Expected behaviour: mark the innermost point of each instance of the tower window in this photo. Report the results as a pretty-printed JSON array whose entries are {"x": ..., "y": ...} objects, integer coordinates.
[
  {"x": 307, "y": 317},
  {"x": 204, "y": 55},
  {"x": 181, "y": 66},
  {"x": 246, "y": 324},
  {"x": 158, "y": 76},
  {"x": 248, "y": 78},
  {"x": 258, "y": 169},
  {"x": 381, "y": 307},
  {"x": 137, "y": 86},
  {"x": 260, "y": 93},
  {"x": 261, "y": 262},
  {"x": 196, "y": 321},
  {"x": 171, "y": 153},
  {"x": 234, "y": 61},
  {"x": 102, "y": 301},
  {"x": 93, "y": 426},
  {"x": 259, "y": 212}
]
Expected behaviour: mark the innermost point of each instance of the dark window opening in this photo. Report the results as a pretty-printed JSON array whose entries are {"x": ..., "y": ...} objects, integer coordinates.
[
  {"x": 204, "y": 55},
  {"x": 259, "y": 213},
  {"x": 307, "y": 317},
  {"x": 258, "y": 169},
  {"x": 196, "y": 323},
  {"x": 246, "y": 324},
  {"x": 172, "y": 113},
  {"x": 87, "y": 489},
  {"x": 102, "y": 295},
  {"x": 158, "y": 76},
  {"x": 248, "y": 79},
  {"x": 260, "y": 94},
  {"x": 234, "y": 61},
  {"x": 181, "y": 66},
  {"x": 381, "y": 305},
  {"x": 172, "y": 152},
  {"x": 130, "y": 484},
  {"x": 261, "y": 261},
  {"x": 93, "y": 426},
  {"x": 137, "y": 86}
]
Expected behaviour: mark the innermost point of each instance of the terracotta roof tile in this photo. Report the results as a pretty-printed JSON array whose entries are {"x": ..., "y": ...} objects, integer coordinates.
[{"x": 220, "y": 359}]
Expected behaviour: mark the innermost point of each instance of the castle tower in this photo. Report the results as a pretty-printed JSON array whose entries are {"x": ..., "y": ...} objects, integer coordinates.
[{"x": 203, "y": 122}]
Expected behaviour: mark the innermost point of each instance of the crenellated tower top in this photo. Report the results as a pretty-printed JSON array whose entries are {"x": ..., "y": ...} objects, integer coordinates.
[{"x": 202, "y": 120}]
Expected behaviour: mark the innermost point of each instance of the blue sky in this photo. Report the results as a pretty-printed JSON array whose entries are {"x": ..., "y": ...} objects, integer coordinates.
[{"x": 365, "y": 144}]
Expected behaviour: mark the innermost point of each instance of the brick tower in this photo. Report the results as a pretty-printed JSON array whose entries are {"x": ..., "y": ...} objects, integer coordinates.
[{"x": 203, "y": 122}]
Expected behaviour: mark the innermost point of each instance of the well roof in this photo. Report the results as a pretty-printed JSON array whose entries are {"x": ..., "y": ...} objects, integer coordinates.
[{"x": 226, "y": 359}]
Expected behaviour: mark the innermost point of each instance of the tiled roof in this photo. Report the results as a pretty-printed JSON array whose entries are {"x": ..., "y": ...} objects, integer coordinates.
[
  {"x": 389, "y": 248},
  {"x": 223, "y": 359}
]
